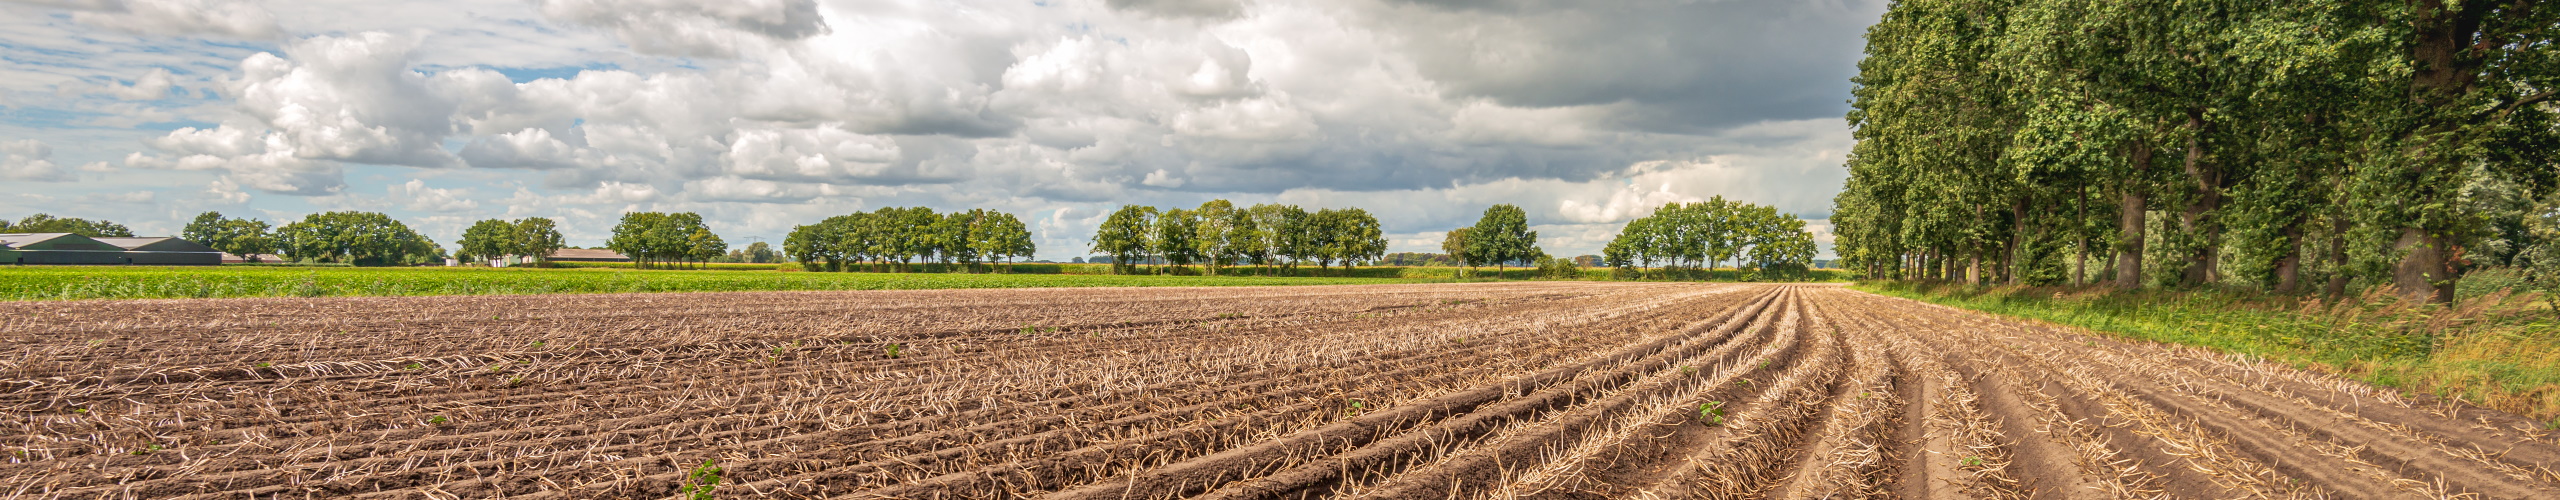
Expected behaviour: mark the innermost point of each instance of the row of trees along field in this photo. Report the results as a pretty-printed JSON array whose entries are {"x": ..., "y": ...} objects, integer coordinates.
[
  {"x": 659, "y": 239},
  {"x": 535, "y": 237},
  {"x": 1499, "y": 238},
  {"x": 1681, "y": 237},
  {"x": 354, "y": 238},
  {"x": 1218, "y": 234},
  {"x": 900, "y": 236},
  {"x": 47, "y": 223},
  {"x": 2286, "y": 145}
]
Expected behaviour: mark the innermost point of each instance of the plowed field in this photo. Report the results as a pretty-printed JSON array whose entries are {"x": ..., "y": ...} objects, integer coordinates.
[{"x": 1537, "y": 390}]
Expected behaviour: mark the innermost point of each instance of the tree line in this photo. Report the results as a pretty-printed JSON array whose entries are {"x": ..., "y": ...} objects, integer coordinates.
[
  {"x": 1685, "y": 236},
  {"x": 1218, "y": 234},
  {"x": 535, "y": 237},
  {"x": 345, "y": 237},
  {"x": 2282, "y": 145},
  {"x": 47, "y": 223},
  {"x": 894, "y": 235}
]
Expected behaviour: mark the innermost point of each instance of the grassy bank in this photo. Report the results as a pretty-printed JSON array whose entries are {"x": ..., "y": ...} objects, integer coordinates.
[
  {"x": 2495, "y": 350},
  {"x": 145, "y": 282}
]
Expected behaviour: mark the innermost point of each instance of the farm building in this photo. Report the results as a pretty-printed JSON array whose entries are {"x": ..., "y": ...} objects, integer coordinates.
[
  {"x": 67, "y": 248},
  {"x": 587, "y": 255},
  {"x": 228, "y": 258}
]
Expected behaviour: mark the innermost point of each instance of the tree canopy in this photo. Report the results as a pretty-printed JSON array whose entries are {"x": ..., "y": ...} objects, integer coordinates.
[
  {"x": 47, "y": 223},
  {"x": 653, "y": 239},
  {"x": 1218, "y": 234},
  {"x": 1502, "y": 236},
  {"x": 535, "y": 237},
  {"x": 358, "y": 238},
  {"x": 2182, "y": 143},
  {"x": 1703, "y": 235},
  {"x": 903, "y": 234},
  {"x": 245, "y": 238}
]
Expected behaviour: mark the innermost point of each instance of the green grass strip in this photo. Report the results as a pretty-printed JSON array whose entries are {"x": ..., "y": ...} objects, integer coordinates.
[{"x": 2504, "y": 355}]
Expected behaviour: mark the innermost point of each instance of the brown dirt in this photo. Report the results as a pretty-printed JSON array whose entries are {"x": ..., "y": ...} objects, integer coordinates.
[{"x": 1509, "y": 390}]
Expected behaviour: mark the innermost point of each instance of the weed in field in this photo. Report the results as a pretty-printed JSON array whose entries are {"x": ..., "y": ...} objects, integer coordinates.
[
  {"x": 896, "y": 350},
  {"x": 80, "y": 410},
  {"x": 1230, "y": 315},
  {"x": 1688, "y": 370},
  {"x": 1355, "y": 406},
  {"x": 414, "y": 367},
  {"x": 704, "y": 479},
  {"x": 1972, "y": 461},
  {"x": 515, "y": 381},
  {"x": 436, "y": 420},
  {"x": 265, "y": 365},
  {"x": 1712, "y": 412},
  {"x": 97, "y": 342},
  {"x": 147, "y": 451},
  {"x": 538, "y": 344}
]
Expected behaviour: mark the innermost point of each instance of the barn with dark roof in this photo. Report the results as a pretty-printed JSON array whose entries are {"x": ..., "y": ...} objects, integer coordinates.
[{"x": 73, "y": 249}]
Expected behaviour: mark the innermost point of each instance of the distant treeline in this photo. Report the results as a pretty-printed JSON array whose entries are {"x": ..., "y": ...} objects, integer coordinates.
[
  {"x": 903, "y": 235},
  {"x": 1217, "y": 235},
  {"x": 1691, "y": 235}
]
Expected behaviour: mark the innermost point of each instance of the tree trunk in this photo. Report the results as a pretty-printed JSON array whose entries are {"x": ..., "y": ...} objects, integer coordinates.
[
  {"x": 2425, "y": 271},
  {"x": 2289, "y": 267},
  {"x": 2199, "y": 220},
  {"x": 2080, "y": 237},
  {"x": 2337, "y": 257},
  {"x": 2017, "y": 241},
  {"x": 2443, "y": 77},
  {"x": 2132, "y": 221}
]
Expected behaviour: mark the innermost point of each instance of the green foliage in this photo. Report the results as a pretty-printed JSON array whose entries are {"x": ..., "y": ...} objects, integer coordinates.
[
  {"x": 1684, "y": 238},
  {"x": 1712, "y": 412},
  {"x": 47, "y": 223},
  {"x": 1500, "y": 237},
  {"x": 705, "y": 478},
  {"x": 358, "y": 238},
  {"x": 2287, "y": 146},
  {"x": 1125, "y": 236},
  {"x": 654, "y": 239},
  {"x": 242, "y": 237}
]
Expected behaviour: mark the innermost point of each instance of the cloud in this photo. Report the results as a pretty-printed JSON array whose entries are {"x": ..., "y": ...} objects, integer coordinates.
[
  {"x": 227, "y": 18},
  {"x": 28, "y": 160},
  {"x": 692, "y": 28},
  {"x": 1182, "y": 8},
  {"x": 762, "y": 114},
  {"x": 152, "y": 85},
  {"x": 415, "y": 195},
  {"x": 126, "y": 197}
]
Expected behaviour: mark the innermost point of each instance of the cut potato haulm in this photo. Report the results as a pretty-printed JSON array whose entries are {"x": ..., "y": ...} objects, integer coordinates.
[{"x": 1484, "y": 390}]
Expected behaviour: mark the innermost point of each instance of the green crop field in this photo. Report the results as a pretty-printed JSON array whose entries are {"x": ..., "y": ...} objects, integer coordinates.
[{"x": 118, "y": 282}]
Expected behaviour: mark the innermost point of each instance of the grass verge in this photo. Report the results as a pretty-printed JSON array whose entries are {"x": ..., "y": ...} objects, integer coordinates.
[
  {"x": 2496, "y": 351},
  {"x": 146, "y": 282}
]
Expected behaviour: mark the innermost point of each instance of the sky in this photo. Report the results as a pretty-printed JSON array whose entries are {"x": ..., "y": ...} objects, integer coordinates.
[{"x": 765, "y": 114}]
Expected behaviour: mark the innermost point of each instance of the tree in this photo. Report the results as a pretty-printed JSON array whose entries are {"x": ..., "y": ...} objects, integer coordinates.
[
  {"x": 1124, "y": 236},
  {"x": 246, "y": 238},
  {"x": 486, "y": 240},
  {"x": 536, "y": 237},
  {"x": 47, "y": 223},
  {"x": 1361, "y": 238},
  {"x": 358, "y": 238},
  {"x": 1174, "y": 239},
  {"x": 1221, "y": 224},
  {"x": 1502, "y": 236},
  {"x": 652, "y": 239},
  {"x": 1456, "y": 246}
]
